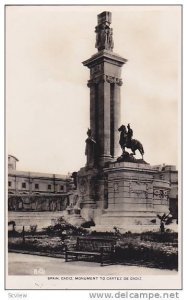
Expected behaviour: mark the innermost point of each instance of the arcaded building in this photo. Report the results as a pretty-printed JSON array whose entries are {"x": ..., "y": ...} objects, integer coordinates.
[{"x": 34, "y": 191}]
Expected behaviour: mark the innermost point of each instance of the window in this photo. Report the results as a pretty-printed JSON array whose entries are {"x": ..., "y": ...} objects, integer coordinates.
[
  {"x": 9, "y": 183},
  {"x": 36, "y": 186},
  {"x": 49, "y": 186},
  {"x": 61, "y": 187},
  {"x": 23, "y": 185}
]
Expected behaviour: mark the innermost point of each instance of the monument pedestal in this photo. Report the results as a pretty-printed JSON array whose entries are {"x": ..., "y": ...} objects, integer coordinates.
[
  {"x": 136, "y": 194},
  {"x": 91, "y": 191},
  {"x": 74, "y": 216}
]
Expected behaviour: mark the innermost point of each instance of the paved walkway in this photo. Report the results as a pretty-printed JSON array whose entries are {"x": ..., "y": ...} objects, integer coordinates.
[{"x": 25, "y": 264}]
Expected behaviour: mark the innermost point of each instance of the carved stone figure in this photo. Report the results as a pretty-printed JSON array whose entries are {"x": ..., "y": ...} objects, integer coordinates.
[
  {"x": 90, "y": 149},
  {"x": 110, "y": 40},
  {"x": 104, "y": 37}
]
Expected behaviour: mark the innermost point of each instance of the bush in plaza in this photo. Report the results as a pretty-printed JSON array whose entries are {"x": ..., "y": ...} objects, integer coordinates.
[
  {"x": 159, "y": 249},
  {"x": 65, "y": 229},
  {"x": 33, "y": 244},
  {"x": 88, "y": 224},
  {"x": 165, "y": 237}
]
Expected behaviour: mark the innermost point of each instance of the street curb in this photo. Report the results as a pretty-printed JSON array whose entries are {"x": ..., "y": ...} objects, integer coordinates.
[{"x": 36, "y": 253}]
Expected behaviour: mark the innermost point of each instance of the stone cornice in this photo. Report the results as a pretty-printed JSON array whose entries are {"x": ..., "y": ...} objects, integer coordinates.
[{"x": 105, "y": 56}]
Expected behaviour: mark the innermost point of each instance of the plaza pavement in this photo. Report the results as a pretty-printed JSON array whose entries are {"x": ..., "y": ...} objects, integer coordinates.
[{"x": 26, "y": 264}]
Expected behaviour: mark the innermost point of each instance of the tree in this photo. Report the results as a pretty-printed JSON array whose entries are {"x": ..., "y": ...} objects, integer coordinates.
[
  {"x": 165, "y": 220},
  {"x": 13, "y": 223}
]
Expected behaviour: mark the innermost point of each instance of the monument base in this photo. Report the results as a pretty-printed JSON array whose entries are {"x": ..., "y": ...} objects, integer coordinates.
[
  {"x": 88, "y": 186},
  {"x": 128, "y": 228},
  {"x": 123, "y": 194},
  {"x": 136, "y": 194},
  {"x": 124, "y": 218},
  {"x": 74, "y": 217}
]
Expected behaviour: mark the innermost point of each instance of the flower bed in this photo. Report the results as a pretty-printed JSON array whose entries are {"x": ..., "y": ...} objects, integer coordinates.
[
  {"x": 42, "y": 244},
  {"x": 161, "y": 255},
  {"x": 153, "y": 249}
]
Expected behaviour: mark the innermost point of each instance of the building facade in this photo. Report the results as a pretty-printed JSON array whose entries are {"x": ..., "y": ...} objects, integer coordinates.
[
  {"x": 171, "y": 174},
  {"x": 34, "y": 191}
]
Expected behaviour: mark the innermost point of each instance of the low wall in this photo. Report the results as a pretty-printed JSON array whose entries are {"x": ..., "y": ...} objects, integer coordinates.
[{"x": 41, "y": 219}]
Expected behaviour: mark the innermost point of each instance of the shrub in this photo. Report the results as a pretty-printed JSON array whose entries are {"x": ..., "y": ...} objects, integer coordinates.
[
  {"x": 161, "y": 255},
  {"x": 33, "y": 228},
  {"x": 88, "y": 224},
  {"x": 159, "y": 237},
  {"x": 107, "y": 234},
  {"x": 58, "y": 229}
]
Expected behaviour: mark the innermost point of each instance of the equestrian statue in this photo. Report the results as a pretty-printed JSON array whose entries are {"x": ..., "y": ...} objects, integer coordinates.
[{"x": 126, "y": 141}]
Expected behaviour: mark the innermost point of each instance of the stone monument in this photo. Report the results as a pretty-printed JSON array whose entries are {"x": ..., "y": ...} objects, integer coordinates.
[
  {"x": 115, "y": 190},
  {"x": 104, "y": 83}
]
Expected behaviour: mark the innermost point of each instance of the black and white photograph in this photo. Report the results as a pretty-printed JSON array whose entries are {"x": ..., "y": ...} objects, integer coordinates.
[{"x": 93, "y": 147}]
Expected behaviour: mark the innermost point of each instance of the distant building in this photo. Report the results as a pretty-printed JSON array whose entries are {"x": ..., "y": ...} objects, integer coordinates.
[
  {"x": 12, "y": 160},
  {"x": 169, "y": 173},
  {"x": 34, "y": 191}
]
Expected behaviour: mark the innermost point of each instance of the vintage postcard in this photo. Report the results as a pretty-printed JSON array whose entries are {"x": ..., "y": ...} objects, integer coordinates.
[{"x": 93, "y": 147}]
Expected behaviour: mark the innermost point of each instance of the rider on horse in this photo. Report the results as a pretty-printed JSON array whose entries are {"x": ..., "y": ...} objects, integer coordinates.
[
  {"x": 123, "y": 136},
  {"x": 127, "y": 141},
  {"x": 129, "y": 136}
]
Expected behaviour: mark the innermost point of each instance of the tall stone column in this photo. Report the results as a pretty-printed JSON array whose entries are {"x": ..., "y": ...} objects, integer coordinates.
[
  {"x": 104, "y": 83},
  {"x": 92, "y": 87},
  {"x": 117, "y": 118},
  {"x": 104, "y": 121}
]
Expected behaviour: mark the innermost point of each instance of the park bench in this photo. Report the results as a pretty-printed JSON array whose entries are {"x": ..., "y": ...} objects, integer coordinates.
[{"x": 100, "y": 248}]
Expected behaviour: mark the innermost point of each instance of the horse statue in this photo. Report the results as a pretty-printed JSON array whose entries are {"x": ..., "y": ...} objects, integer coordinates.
[{"x": 132, "y": 144}]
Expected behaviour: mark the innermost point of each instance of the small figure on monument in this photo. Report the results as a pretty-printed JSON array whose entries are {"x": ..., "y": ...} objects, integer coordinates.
[
  {"x": 97, "y": 43},
  {"x": 104, "y": 34},
  {"x": 129, "y": 135},
  {"x": 101, "y": 36},
  {"x": 127, "y": 141},
  {"x": 90, "y": 149},
  {"x": 110, "y": 41},
  {"x": 123, "y": 136}
]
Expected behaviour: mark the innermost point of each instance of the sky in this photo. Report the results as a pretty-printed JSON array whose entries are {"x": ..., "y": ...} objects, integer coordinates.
[{"x": 47, "y": 98}]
